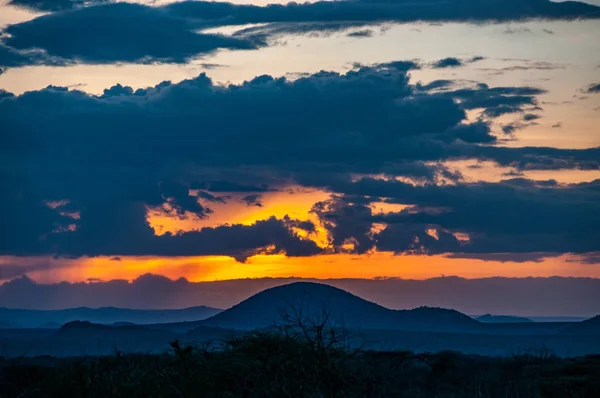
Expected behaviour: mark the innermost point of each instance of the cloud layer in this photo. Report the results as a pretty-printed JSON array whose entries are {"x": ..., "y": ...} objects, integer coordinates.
[
  {"x": 79, "y": 177},
  {"x": 118, "y": 32},
  {"x": 102, "y": 31}
]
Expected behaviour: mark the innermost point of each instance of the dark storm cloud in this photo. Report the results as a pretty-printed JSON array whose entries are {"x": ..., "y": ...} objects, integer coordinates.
[
  {"x": 9, "y": 57},
  {"x": 513, "y": 216},
  {"x": 5, "y": 94},
  {"x": 122, "y": 229},
  {"x": 55, "y": 5},
  {"x": 374, "y": 11},
  {"x": 346, "y": 224},
  {"x": 539, "y": 158},
  {"x": 119, "y": 32},
  {"x": 108, "y": 32},
  {"x": 362, "y": 10},
  {"x": 112, "y": 156}
]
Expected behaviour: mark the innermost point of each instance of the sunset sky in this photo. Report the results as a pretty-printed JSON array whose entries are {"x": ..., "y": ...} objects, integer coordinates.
[{"x": 355, "y": 139}]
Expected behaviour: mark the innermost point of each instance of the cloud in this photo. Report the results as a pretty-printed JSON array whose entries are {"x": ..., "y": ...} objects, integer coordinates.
[
  {"x": 587, "y": 258},
  {"x": 447, "y": 63},
  {"x": 530, "y": 116},
  {"x": 115, "y": 229},
  {"x": 527, "y": 65},
  {"x": 175, "y": 147},
  {"x": 107, "y": 32},
  {"x": 9, "y": 57},
  {"x": 593, "y": 88},
  {"x": 228, "y": 186},
  {"x": 363, "y": 10},
  {"x": 55, "y": 5},
  {"x": 118, "y": 32},
  {"x": 513, "y": 216},
  {"x": 511, "y": 31},
  {"x": 211, "y": 198},
  {"x": 497, "y": 101},
  {"x": 505, "y": 257},
  {"x": 368, "y": 11},
  {"x": 361, "y": 33},
  {"x": 348, "y": 225},
  {"x": 252, "y": 200},
  {"x": 511, "y": 128}
]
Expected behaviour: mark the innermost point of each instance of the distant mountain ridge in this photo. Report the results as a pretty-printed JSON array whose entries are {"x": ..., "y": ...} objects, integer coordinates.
[
  {"x": 554, "y": 299},
  {"x": 489, "y": 318},
  {"x": 18, "y": 318},
  {"x": 589, "y": 326},
  {"x": 313, "y": 301},
  {"x": 424, "y": 329}
]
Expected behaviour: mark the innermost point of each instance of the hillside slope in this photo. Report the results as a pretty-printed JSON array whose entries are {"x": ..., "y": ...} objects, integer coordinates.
[{"x": 314, "y": 301}]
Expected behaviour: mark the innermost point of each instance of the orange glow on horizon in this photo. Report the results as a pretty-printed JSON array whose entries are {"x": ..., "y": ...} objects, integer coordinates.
[{"x": 331, "y": 266}]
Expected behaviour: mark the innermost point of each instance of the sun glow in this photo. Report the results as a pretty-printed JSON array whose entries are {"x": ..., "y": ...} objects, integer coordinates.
[{"x": 212, "y": 268}]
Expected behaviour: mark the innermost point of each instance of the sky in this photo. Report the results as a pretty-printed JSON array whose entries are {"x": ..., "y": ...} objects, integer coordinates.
[{"x": 349, "y": 139}]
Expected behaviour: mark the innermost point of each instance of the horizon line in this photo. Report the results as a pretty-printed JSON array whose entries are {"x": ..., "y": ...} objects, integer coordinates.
[{"x": 91, "y": 281}]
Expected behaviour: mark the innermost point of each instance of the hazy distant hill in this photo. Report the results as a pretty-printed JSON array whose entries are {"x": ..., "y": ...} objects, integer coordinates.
[
  {"x": 590, "y": 326},
  {"x": 550, "y": 298},
  {"x": 85, "y": 338},
  {"x": 17, "y": 318},
  {"x": 424, "y": 329},
  {"x": 489, "y": 318},
  {"x": 315, "y": 300}
]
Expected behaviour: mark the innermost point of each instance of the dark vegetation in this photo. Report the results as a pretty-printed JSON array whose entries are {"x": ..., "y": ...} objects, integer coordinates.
[{"x": 300, "y": 360}]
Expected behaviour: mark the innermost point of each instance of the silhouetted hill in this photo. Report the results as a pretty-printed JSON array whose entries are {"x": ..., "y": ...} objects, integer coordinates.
[
  {"x": 489, "y": 318},
  {"x": 17, "y": 318},
  {"x": 590, "y": 326},
  {"x": 314, "y": 301}
]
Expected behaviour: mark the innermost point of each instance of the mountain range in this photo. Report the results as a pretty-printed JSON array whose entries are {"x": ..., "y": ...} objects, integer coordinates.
[
  {"x": 19, "y": 318},
  {"x": 423, "y": 329},
  {"x": 489, "y": 318}
]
